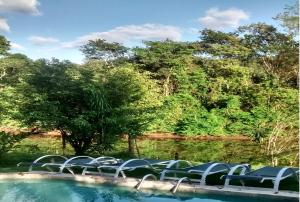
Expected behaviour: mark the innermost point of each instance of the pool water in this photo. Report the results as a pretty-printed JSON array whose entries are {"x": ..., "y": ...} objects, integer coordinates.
[{"x": 64, "y": 191}]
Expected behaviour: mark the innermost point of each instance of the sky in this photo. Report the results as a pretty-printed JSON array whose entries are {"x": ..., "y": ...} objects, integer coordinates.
[{"x": 57, "y": 28}]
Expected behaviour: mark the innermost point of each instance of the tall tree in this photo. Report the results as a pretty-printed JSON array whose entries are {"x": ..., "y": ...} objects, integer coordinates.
[
  {"x": 4, "y": 45},
  {"x": 133, "y": 98},
  {"x": 12, "y": 68},
  {"x": 289, "y": 18},
  {"x": 275, "y": 51},
  {"x": 100, "y": 49},
  {"x": 60, "y": 95},
  {"x": 166, "y": 60},
  {"x": 222, "y": 46}
]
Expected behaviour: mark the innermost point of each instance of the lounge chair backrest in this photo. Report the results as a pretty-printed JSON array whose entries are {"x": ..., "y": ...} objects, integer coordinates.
[
  {"x": 136, "y": 163},
  {"x": 77, "y": 160},
  {"x": 269, "y": 171},
  {"x": 105, "y": 159},
  {"x": 59, "y": 159}
]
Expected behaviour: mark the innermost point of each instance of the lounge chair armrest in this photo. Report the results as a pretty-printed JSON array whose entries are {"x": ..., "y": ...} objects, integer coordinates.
[
  {"x": 244, "y": 177},
  {"x": 196, "y": 171},
  {"x": 175, "y": 169},
  {"x": 223, "y": 176},
  {"x": 23, "y": 163}
]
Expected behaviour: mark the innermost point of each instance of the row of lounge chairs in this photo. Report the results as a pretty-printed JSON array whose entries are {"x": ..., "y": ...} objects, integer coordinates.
[{"x": 179, "y": 170}]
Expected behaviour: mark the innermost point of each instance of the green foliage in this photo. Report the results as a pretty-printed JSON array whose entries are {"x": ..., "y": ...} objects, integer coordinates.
[
  {"x": 4, "y": 45},
  {"x": 289, "y": 18},
  {"x": 8, "y": 142},
  {"x": 166, "y": 60},
  {"x": 60, "y": 95},
  {"x": 133, "y": 98},
  {"x": 12, "y": 68},
  {"x": 100, "y": 49},
  {"x": 241, "y": 82},
  {"x": 90, "y": 106},
  {"x": 222, "y": 46},
  {"x": 276, "y": 52},
  {"x": 200, "y": 122}
]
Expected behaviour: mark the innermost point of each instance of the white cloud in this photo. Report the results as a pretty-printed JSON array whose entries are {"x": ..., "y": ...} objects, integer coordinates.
[
  {"x": 4, "y": 27},
  {"x": 24, "y": 6},
  {"x": 220, "y": 19},
  {"x": 42, "y": 41},
  {"x": 16, "y": 46},
  {"x": 129, "y": 33}
]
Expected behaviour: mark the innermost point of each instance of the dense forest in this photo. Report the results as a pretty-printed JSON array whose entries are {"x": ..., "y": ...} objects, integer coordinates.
[{"x": 238, "y": 83}]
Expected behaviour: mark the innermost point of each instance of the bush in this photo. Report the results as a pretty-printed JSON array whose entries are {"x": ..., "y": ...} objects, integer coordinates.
[{"x": 8, "y": 141}]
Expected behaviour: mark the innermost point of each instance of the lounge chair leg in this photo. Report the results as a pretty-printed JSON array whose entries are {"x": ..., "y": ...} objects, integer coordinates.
[
  {"x": 207, "y": 172},
  {"x": 139, "y": 184},
  {"x": 70, "y": 170},
  {"x": 99, "y": 170},
  {"x": 162, "y": 175},
  {"x": 278, "y": 179},
  {"x": 175, "y": 187},
  {"x": 233, "y": 170},
  {"x": 123, "y": 174}
]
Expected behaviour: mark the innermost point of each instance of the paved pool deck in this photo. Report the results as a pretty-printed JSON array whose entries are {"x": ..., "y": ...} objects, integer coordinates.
[{"x": 151, "y": 184}]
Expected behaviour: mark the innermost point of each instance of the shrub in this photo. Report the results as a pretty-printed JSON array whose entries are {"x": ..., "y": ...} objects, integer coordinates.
[{"x": 8, "y": 141}]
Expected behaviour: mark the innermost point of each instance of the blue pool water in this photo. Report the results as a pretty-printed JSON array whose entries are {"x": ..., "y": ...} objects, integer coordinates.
[{"x": 64, "y": 191}]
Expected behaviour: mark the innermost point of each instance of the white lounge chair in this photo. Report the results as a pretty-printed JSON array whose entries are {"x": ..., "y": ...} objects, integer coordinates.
[
  {"x": 203, "y": 170},
  {"x": 39, "y": 162},
  {"x": 132, "y": 164},
  {"x": 68, "y": 164},
  {"x": 275, "y": 174}
]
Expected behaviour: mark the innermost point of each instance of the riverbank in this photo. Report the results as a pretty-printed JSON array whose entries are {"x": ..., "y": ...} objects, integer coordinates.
[
  {"x": 172, "y": 136},
  {"x": 34, "y": 133}
]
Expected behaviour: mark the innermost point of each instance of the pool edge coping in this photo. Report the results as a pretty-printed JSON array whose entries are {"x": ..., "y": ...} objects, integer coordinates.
[{"x": 150, "y": 184}]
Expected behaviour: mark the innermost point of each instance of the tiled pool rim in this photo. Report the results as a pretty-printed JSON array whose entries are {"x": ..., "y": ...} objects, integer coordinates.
[{"x": 150, "y": 184}]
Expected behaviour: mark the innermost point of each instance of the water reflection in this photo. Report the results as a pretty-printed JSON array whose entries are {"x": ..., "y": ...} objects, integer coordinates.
[
  {"x": 204, "y": 151},
  {"x": 64, "y": 191},
  {"x": 56, "y": 191}
]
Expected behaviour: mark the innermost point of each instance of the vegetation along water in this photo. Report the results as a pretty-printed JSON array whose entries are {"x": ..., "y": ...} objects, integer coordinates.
[{"x": 243, "y": 82}]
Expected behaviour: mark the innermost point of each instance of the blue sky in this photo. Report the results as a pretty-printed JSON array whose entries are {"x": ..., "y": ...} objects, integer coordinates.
[{"x": 57, "y": 28}]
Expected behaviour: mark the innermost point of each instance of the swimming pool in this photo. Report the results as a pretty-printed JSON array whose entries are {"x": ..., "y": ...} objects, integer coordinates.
[{"x": 63, "y": 190}]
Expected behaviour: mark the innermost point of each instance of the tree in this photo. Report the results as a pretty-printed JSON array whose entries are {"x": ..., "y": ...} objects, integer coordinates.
[
  {"x": 100, "y": 49},
  {"x": 4, "y": 45},
  {"x": 289, "y": 18},
  {"x": 276, "y": 127},
  {"x": 166, "y": 60},
  {"x": 63, "y": 96},
  {"x": 278, "y": 143},
  {"x": 133, "y": 99},
  {"x": 275, "y": 51},
  {"x": 217, "y": 45},
  {"x": 12, "y": 68}
]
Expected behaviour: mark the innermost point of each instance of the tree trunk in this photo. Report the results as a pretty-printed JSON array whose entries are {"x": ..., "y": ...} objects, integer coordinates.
[
  {"x": 137, "y": 148},
  {"x": 131, "y": 145},
  {"x": 63, "y": 140},
  {"x": 80, "y": 146}
]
